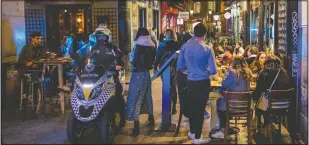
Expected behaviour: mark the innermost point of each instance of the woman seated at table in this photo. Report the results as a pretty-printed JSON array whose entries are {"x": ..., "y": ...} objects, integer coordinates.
[
  {"x": 228, "y": 56},
  {"x": 271, "y": 67},
  {"x": 258, "y": 63},
  {"x": 217, "y": 48},
  {"x": 236, "y": 80}
]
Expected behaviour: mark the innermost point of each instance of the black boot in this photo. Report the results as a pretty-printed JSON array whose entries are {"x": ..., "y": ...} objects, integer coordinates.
[
  {"x": 151, "y": 120},
  {"x": 122, "y": 120},
  {"x": 135, "y": 129},
  {"x": 174, "y": 111}
]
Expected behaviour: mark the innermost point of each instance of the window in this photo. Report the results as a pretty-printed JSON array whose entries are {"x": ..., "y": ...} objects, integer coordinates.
[
  {"x": 109, "y": 14},
  {"x": 197, "y": 7},
  {"x": 156, "y": 21},
  {"x": 211, "y": 6}
]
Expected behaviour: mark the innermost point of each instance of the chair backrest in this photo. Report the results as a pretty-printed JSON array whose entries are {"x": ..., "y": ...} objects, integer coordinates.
[
  {"x": 280, "y": 99},
  {"x": 238, "y": 102}
]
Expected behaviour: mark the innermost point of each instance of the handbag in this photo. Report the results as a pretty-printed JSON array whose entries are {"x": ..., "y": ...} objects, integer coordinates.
[{"x": 262, "y": 103}]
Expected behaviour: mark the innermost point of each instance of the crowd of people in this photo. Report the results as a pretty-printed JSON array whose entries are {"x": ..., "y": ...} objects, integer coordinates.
[
  {"x": 198, "y": 63},
  {"x": 202, "y": 60}
]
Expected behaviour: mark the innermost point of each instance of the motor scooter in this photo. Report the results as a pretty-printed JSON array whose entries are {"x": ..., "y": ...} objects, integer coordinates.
[{"x": 94, "y": 103}]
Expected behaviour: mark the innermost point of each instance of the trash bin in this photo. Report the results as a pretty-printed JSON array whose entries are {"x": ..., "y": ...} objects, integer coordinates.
[{"x": 12, "y": 87}]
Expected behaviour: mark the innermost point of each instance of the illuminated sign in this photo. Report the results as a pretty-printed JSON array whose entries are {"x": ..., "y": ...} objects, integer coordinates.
[{"x": 184, "y": 15}]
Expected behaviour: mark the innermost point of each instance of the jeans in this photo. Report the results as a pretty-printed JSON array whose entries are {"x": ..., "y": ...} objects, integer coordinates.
[{"x": 199, "y": 94}]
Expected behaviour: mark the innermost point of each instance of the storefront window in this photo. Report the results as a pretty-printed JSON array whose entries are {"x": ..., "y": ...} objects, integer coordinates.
[
  {"x": 254, "y": 28},
  {"x": 268, "y": 38}
]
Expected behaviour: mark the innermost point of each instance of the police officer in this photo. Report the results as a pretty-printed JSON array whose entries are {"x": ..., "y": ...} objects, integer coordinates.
[{"x": 110, "y": 57}]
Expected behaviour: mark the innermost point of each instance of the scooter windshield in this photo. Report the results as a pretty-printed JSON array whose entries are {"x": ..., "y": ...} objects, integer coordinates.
[{"x": 91, "y": 71}]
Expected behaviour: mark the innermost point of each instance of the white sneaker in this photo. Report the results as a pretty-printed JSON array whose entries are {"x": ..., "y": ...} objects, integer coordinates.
[
  {"x": 191, "y": 136},
  {"x": 201, "y": 141},
  {"x": 218, "y": 135}
]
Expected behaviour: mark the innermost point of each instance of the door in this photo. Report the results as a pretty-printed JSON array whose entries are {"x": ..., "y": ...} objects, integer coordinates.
[
  {"x": 142, "y": 17},
  {"x": 64, "y": 20},
  {"x": 156, "y": 21}
]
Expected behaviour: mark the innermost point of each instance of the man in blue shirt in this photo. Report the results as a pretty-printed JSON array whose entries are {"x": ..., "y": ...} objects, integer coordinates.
[{"x": 198, "y": 60}]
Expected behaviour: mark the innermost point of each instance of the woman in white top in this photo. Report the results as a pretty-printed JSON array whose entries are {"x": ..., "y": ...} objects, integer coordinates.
[{"x": 238, "y": 50}]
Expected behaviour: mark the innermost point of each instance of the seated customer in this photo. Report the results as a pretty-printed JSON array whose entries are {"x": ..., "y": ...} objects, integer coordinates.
[
  {"x": 228, "y": 57},
  {"x": 238, "y": 50},
  {"x": 248, "y": 47},
  {"x": 266, "y": 77},
  {"x": 236, "y": 80},
  {"x": 258, "y": 63},
  {"x": 252, "y": 52}
]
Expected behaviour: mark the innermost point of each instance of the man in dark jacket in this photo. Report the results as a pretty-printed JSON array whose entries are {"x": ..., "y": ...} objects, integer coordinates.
[
  {"x": 252, "y": 52},
  {"x": 32, "y": 51},
  {"x": 185, "y": 36},
  {"x": 29, "y": 53}
]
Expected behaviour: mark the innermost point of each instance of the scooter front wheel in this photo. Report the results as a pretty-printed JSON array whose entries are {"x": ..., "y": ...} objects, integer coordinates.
[
  {"x": 74, "y": 131},
  {"x": 107, "y": 128}
]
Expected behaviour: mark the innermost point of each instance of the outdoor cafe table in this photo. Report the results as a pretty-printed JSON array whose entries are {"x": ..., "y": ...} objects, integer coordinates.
[
  {"x": 215, "y": 85},
  {"x": 59, "y": 62}
]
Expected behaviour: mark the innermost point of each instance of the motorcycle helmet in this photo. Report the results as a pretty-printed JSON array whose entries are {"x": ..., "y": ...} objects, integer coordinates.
[{"x": 103, "y": 34}]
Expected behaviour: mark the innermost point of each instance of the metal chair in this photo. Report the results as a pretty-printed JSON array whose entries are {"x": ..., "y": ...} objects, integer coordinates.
[{"x": 238, "y": 104}]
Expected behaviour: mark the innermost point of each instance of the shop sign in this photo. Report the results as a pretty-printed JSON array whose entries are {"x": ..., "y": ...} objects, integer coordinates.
[
  {"x": 184, "y": 15},
  {"x": 235, "y": 11},
  {"x": 155, "y": 4},
  {"x": 255, "y": 4}
]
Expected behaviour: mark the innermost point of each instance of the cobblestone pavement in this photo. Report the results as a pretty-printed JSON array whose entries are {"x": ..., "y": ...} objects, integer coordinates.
[{"x": 53, "y": 131}]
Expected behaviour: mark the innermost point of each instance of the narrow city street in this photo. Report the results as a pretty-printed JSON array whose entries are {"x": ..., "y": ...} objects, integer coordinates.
[
  {"x": 250, "y": 56},
  {"x": 53, "y": 131}
]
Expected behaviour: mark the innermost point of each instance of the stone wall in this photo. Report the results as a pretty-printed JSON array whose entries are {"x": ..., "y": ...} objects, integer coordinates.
[{"x": 13, "y": 29}]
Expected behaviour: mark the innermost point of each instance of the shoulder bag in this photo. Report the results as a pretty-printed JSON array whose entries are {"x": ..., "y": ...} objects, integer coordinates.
[{"x": 262, "y": 103}]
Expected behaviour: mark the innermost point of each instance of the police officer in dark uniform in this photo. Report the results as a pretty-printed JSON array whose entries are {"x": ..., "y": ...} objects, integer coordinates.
[{"x": 109, "y": 56}]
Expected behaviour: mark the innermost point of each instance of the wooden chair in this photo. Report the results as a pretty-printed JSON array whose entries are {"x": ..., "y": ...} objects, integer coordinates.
[
  {"x": 238, "y": 104},
  {"x": 279, "y": 104}
]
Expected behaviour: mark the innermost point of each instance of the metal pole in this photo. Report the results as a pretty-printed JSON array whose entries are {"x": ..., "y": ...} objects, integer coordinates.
[
  {"x": 166, "y": 101},
  {"x": 276, "y": 28},
  {"x": 261, "y": 26},
  {"x": 247, "y": 42}
]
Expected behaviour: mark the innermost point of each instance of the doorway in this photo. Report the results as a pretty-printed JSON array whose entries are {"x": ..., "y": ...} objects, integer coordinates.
[
  {"x": 142, "y": 17},
  {"x": 64, "y": 20},
  {"x": 156, "y": 21}
]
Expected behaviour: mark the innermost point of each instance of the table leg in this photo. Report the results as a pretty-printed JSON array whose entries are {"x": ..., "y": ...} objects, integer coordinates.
[
  {"x": 60, "y": 78},
  {"x": 214, "y": 117}
]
